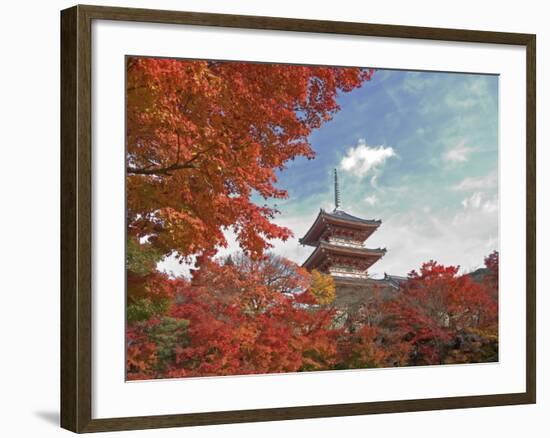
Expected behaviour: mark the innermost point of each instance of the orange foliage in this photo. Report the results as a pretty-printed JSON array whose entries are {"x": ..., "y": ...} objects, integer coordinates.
[
  {"x": 240, "y": 321},
  {"x": 203, "y": 136},
  {"x": 245, "y": 316},
  {"x": 434, "y": 312}
]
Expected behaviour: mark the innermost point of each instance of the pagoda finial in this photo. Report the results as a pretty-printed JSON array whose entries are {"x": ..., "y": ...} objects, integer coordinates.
[{"x": 336, "y": 191}]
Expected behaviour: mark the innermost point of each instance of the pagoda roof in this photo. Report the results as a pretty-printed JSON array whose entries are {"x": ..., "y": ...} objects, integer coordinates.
[
  {"x": 325, "y": 248},
  {"x": 341, "y": 214},
  {"x": 394, "y": 280},
  {"x": 337, "y": 217}
]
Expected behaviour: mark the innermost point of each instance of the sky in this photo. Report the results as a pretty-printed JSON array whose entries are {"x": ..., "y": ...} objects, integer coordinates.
[{"x": 417, "y": 150}]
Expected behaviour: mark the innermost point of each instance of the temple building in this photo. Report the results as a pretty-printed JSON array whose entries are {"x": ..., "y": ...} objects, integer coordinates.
[
  {"x": 339, "y": 242},
  {"x": 338, "y": 239}
]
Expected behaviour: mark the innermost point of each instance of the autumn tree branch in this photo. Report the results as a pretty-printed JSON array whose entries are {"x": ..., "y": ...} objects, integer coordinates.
[{"x": 167, "y": 170}]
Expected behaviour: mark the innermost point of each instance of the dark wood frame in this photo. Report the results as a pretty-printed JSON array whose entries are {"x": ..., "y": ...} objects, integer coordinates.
[{"x": 76, "y": 173}]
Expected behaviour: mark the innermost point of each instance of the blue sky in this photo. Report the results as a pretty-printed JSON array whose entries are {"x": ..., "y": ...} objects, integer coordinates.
[{"x": 418, "y": 150}]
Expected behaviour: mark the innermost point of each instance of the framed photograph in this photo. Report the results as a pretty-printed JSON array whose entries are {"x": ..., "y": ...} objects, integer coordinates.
[{"x": 269, "y": 218}]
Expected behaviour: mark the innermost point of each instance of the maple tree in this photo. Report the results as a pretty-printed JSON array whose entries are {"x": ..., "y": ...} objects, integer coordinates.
[
  {"x": 242, "y": 317},
  {"x": 247, "y": 316},
  {"x": 437, "y": 312},
  {"x": 203, "y": 137}
]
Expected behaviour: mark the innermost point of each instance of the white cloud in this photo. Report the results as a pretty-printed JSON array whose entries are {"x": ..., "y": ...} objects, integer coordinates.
[
  {"x": 464, "y": 238},
  {"x": 374, "y": 181},
  {"x": 463, "y": 103},
  {"x": 478, "y": 183},
  {"x": 453, "y": 238},
  {"x": 362, "y": 159},
  {"x": 457, "y": 154},
  {"x": 490, "y": 205},
  {"x": 412, "y": 238},
  {"x": 416, "y": 82},
  {"x": 473, "y": 201},
  {"x": 171, "y": 265},
  {"x": 290, "y": 249},
  {"x": 479, "y": 200},
  {"x": 371, "y": 200}
]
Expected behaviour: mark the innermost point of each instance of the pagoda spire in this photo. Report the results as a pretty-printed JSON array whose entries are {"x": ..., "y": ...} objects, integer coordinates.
[{"x": 336, "y": 191}]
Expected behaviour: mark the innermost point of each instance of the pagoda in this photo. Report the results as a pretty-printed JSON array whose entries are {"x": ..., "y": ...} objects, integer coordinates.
[{"x": 339, "y": 242}]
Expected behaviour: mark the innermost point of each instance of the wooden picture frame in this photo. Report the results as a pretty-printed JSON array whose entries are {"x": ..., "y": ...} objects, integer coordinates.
[{"x": 76, "y": 218}]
